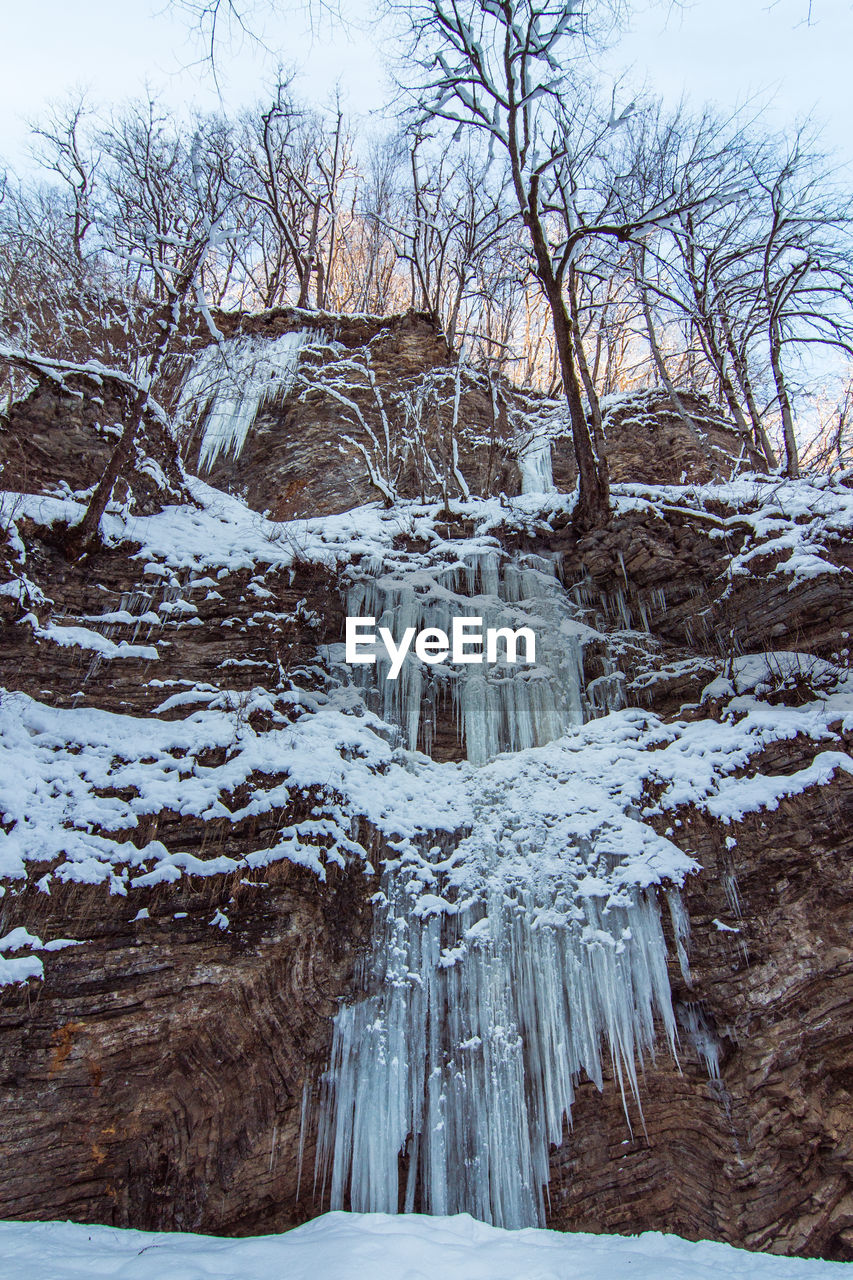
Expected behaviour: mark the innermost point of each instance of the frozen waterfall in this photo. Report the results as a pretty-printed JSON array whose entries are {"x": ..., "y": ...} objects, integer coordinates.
[
  {"x": 535, "y": 464},
  {"x": 497, "y": 708},
  {"x": 228, "y": 384},
  {"x": 463, "y": 1056},
  {"x": 513, "y": 957}
]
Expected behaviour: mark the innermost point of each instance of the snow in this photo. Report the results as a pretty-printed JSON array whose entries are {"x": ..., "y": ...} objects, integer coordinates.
[
  {"x": 57, "y": 767},
  {"x": 349, "y": 1246},
  {"x": 221, "y": 533},
  {"x": 530, "y": 932},
  {"x": 92, "y": 641},
  {"x": 794, "y": 521},
  {"x": 517, "y": 929},
  {"x": 762, "y": 672},
  {"x": 19, "y": 968}
]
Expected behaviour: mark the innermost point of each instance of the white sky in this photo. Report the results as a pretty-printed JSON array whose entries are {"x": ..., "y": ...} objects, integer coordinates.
[{"x": 720, "y": 50}]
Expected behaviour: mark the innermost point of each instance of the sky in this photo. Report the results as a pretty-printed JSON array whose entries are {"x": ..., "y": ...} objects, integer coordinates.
[{"x": 726, "y": 51}]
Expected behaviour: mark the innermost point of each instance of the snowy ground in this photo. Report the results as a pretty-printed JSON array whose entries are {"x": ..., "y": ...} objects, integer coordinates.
[
  {"x": 791, "y": 520},
  {"x": 341, "y": 1246}
]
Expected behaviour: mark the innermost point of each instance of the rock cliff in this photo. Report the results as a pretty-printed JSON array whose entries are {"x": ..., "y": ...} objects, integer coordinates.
[{"x": 186, "y": 904}]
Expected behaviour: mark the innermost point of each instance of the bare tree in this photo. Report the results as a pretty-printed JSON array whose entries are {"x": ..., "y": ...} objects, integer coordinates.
[
  {"x": 159, "y": 211},
  {"x": 758, "y": 282},
  {"x": 65, "y": 151},
  {"x": 398, "y": 432},
  {"x": 449, "y": 224},
  {"x": 500, "y": 69},
  {"x": 806, "y": 271},
  {"x": 372, "y": 260},
  {"x": 170, "y": 212},
  {"x": 290, "y": 182},
  {"x": 831, "y": 447},
  {"x": 495, "y": 67}
]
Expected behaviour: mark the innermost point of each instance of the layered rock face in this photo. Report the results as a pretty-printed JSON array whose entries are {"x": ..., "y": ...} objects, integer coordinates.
[
  {"x": 165, "y": 1071},
  {"x": 357, "y": 376},
  {"x": 756, "y": 1151},
  {"x": 159, "y": 1075},
  {"x": 760, "y": 1154},
  {"x": 65, "y": 432}
]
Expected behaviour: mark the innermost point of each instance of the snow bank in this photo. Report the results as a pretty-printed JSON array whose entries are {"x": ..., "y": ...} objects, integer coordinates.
[{"x": 341, "y": 1246}]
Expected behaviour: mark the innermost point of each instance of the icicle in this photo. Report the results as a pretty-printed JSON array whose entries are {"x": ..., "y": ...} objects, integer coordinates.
[
  {"x": 230, "y": 382},
  {"x": 502, "y": 707},
  {"x": 732, "y": 891},
  {"x": 304, "y": 1114},
  {"x": 681, "y": 930},
  {"x": 535, "y": 464},
  {"x": 698, "y": 1031},
  {"x": 465, "y": 1051}
]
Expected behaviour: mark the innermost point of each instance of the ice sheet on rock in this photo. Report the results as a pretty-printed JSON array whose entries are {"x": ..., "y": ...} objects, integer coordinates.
[
  {"x": 229, "y": 383},
  {"x": 534, "y": 461},
  {"x": 700, "y": 1036},
  {"x": 518, "y": 937},
  {"x": 505, "y": 962},
  {"x": 75, "y": 783}
]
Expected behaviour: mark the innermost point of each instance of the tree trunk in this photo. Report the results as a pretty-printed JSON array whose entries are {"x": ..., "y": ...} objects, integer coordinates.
[
  {"x": 80, "y": 536},
  {"x": 660, "y": 365},
  {"x": 310, "y": 259},
  {"x": 588, "y": 380},
  {"x": 717, "y": 359},
  {"x": 742, "y": 375},
  {"x": 756, "y": 454},
  {"x": 592, "y": 509},
  {"x": 792, "y": 458}
]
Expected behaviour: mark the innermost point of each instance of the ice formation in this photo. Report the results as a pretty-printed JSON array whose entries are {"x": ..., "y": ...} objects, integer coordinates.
[
  {"x": 476, "y": 1026},
  {"x": 230, "y": 382},
  {"x": 535, "y": 463},
  {"x": 502, "y": 959},
  {"x": 497, "y": 708}
]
